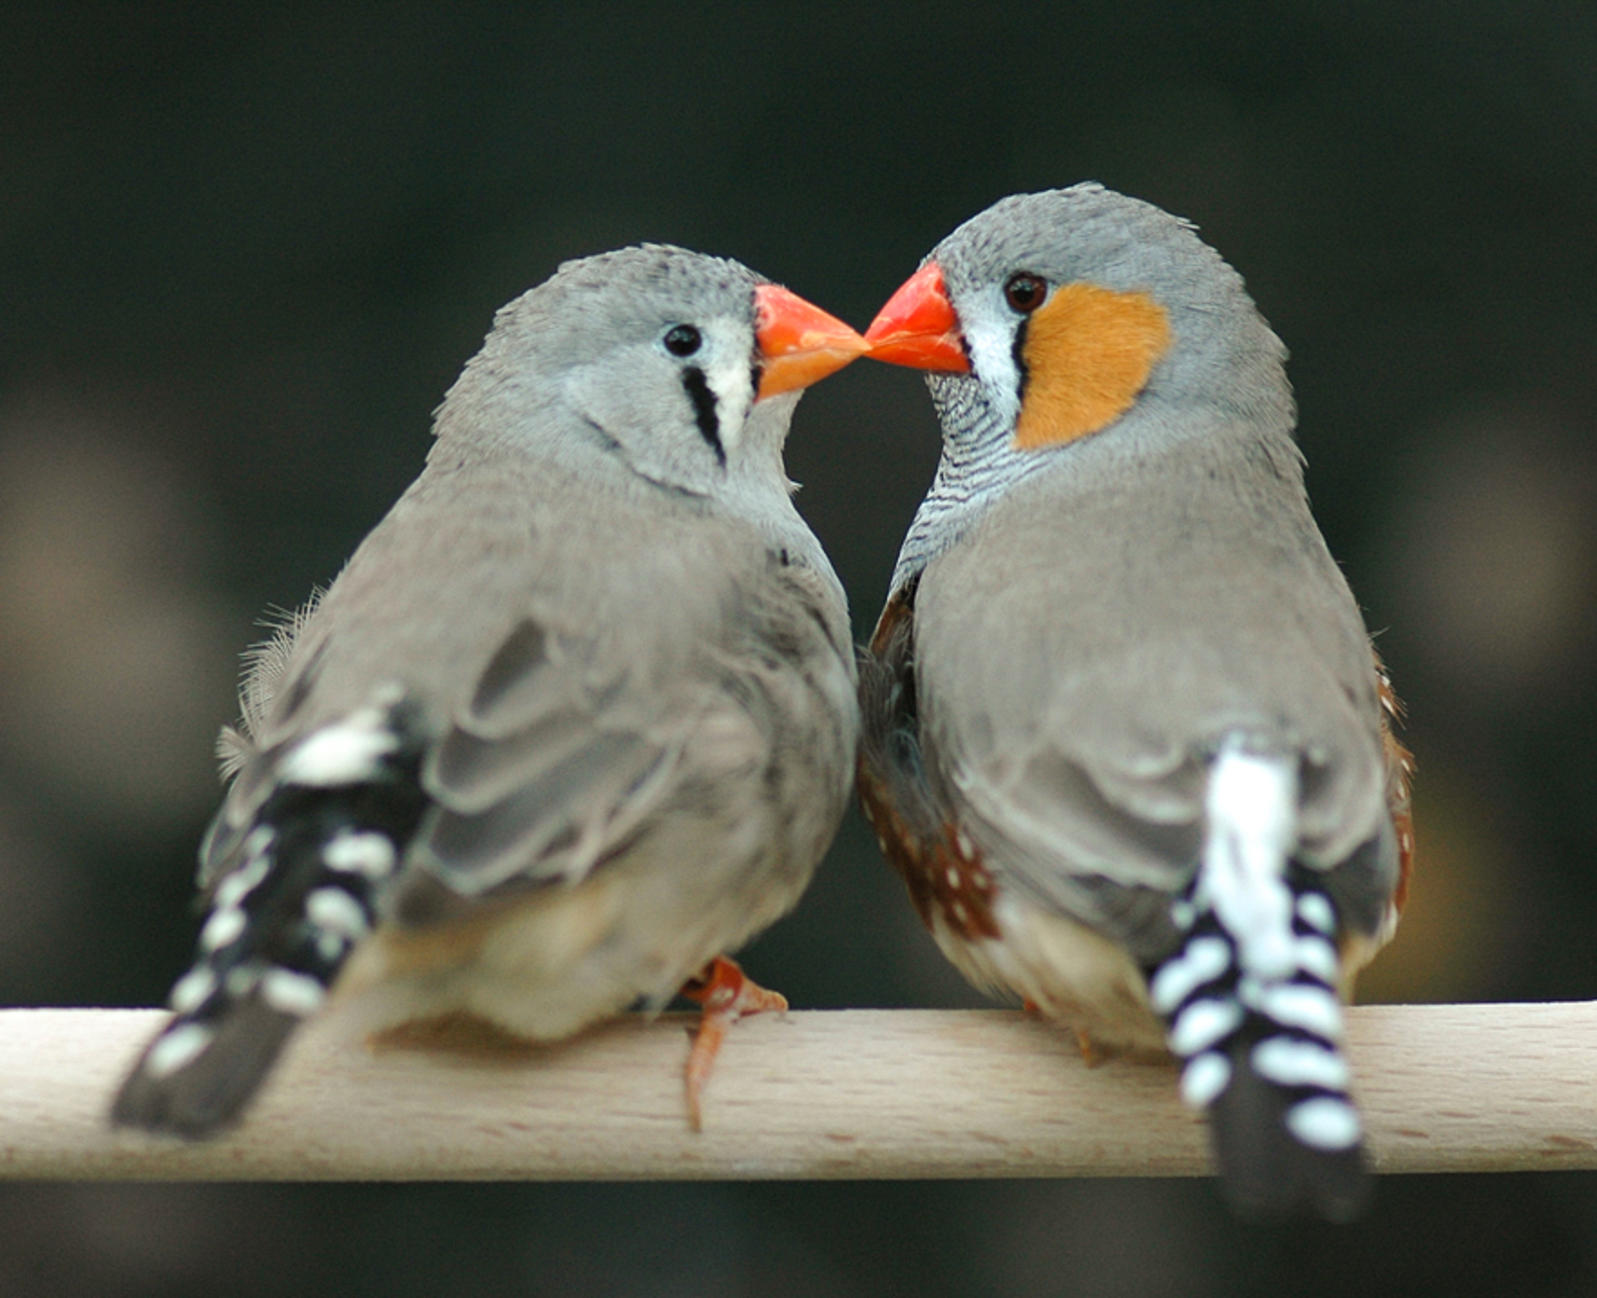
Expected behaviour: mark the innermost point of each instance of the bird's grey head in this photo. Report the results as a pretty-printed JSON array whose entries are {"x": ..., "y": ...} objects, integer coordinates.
[
  {"x": 648, "y": 353},
  {"x": 1108, "y": 266}
]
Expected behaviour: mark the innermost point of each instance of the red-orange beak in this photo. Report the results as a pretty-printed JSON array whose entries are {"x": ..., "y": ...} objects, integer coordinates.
[
  {"x": 799, "y": 343},
  {"x": 918, "y": 326}
]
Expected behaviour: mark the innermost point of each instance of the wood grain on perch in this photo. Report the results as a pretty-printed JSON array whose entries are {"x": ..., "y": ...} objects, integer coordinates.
[{"x": 812, "y": 1095}]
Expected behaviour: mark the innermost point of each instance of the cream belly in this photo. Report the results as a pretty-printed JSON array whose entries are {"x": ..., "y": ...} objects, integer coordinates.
[
  {"x": 544, "y": 966},
  {"x": 1081, "y": 979},
  {"x": 1070, "y": 973}
]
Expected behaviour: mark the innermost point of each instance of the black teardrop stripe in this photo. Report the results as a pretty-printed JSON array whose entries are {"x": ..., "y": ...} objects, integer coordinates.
[
  {"x": 704, "y": 410},
  {"x": 1018, "y": 350}
]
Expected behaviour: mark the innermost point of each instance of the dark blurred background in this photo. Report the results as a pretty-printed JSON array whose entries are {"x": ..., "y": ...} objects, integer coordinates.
[{"x": 244, "y": 250}]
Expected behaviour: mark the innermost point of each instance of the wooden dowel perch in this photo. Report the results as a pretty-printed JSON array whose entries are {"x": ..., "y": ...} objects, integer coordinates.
[{"x": 813, "y": 1095}]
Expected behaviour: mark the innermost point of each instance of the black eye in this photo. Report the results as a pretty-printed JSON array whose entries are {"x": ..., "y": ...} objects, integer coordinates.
[
  {"x": 1024, "y": 292},
  {"x": 682, "y": 340}
]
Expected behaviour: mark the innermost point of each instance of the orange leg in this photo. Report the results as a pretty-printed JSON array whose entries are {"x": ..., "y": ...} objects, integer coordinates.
[
  {"x": 1091, "y": 1055},
  {"x": 727, "y": 994}
]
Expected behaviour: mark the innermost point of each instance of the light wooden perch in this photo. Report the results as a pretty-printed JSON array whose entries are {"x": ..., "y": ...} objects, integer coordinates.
[{"x": 821, "y": 1095}]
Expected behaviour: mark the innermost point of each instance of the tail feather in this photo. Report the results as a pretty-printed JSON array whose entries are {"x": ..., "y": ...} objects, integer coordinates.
[
  {"x": 1253, "y": 1012},
  {"x": 196, "y": 1077},
  {"x": 284, "y": 917}
]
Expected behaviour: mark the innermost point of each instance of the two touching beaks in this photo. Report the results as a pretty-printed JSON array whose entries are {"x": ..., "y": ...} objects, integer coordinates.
[{"x": 801, "y": 344}]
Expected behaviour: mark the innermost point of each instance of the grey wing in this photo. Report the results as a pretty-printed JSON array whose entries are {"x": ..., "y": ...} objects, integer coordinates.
[
  {"x": 569, "y": 754},
  {"x": 540, "y": 744},
  {"x": 553, "y": 762},
  {"x": 1047, "y": 828},
  {"x": 554, "y": 759},
  {"x": 553, "y": 756}
]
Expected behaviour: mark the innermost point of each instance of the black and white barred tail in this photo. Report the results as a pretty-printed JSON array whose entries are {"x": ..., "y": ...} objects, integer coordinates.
[
  {"x": 1250, "y": 999},
  {"x": 299, "y": 893}
]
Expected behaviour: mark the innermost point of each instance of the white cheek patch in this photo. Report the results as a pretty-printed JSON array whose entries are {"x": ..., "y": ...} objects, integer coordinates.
[
  {"x": 728, "y": 366},
  {"x": 992, "y": 357}
]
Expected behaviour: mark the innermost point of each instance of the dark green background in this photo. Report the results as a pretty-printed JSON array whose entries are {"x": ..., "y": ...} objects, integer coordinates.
[{"x": 244, "y": 250}]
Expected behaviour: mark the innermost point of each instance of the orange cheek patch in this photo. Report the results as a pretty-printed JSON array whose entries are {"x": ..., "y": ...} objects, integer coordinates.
[{"x": 1088, "y": 353}]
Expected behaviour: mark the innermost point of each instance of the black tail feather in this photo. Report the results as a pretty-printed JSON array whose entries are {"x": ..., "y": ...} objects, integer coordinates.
[
  {"x": 1266, "y": 1171},
  {"x": 207, "y": 1093},
  {"x": 285, "y": 914},
  {"x": 1265, "y": 1060}
]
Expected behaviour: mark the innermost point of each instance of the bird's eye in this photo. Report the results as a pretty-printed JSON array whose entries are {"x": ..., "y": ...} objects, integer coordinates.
[
  {"x": 682, "y": 340},
  {"x": 1024, "y": 292}
]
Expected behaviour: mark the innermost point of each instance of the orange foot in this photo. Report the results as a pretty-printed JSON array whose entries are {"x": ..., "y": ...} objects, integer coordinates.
[{"x": 727, "y": 994}]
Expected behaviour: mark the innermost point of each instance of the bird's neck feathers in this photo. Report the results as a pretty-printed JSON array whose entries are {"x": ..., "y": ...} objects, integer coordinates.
[
  {"x": 577, "y": 431},
  {"x": 1194, "y": 385}
]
